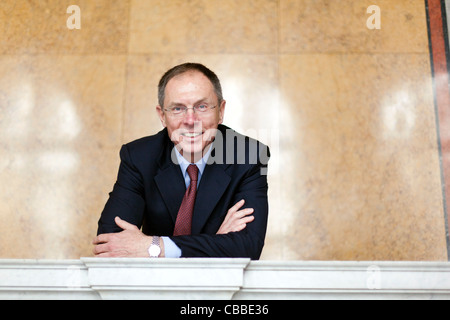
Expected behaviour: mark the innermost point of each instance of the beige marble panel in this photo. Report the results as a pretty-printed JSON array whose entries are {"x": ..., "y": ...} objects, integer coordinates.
[
  {"x": 60, "y": 125},
  {"x": 203, "y": 26},
  {"x": 341, "y": 26},
  {"x": 354, "y": 173},
  {"x": 359, "y": 145},
  {"x": 30, "y": 27}
]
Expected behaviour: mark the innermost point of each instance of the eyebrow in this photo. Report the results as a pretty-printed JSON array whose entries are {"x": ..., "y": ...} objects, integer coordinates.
[{"x": 179, "y": 104}]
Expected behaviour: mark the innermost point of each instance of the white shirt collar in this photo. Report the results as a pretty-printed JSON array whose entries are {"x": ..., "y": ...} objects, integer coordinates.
[{"x": 201, "y": 164}]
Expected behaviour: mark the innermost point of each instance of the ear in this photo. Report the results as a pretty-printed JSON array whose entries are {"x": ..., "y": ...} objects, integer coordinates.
[
  {"x": 161, "y": 115},
  {"x": 222, "y": 111}
]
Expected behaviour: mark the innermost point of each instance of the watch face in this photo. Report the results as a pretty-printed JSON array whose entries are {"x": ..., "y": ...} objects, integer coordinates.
[{"x": 154, "y": 251}]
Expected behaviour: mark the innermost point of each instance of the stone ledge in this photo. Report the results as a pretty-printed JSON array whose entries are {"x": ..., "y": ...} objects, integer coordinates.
[{"x": 221, "y": 279}]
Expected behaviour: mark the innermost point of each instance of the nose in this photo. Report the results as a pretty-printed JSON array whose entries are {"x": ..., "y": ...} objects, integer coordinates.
[{"x": 190, "y": 117}]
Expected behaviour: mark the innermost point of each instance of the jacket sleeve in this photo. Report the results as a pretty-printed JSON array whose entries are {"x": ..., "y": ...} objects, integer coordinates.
[
  {"x": 247, "y": 243},
  {"x": 126, "y": 200}
]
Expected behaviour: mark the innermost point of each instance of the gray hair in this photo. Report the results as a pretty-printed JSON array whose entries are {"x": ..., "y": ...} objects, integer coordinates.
[{"x": 185, "y": 67}]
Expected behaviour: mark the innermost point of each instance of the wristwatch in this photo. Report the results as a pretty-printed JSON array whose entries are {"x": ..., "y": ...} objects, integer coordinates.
[{"x": 154, "y": 250}]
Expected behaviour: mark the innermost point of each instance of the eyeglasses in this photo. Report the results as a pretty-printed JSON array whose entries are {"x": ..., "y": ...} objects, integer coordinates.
[{"x": 179, "y": 111}]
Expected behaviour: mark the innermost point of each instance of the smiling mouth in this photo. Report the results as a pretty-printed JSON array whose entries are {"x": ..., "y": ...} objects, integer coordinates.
[{"x": 191, "y": 134}]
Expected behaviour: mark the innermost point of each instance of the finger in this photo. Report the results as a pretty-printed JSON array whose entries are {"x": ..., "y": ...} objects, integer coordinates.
[
  {"x": 237, "y": 206},
  {"x": 102, "y": 238},
  {"x": 243, "y": 223},
  {"x": 103, "y": 255},
  {"x": 233, "y": 210},
  {"x": 124, "y": 225},
  {"x": 240, "y": 227},
  {"x": 248, "y": 219},
  {"x": 242, "y": 213},
  {"x": 99, "y": 249},
  {"x": 115, "y": 254}
]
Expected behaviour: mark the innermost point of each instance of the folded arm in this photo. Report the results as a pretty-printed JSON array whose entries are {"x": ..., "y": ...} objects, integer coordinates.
[
  {"x": 131, "y": 242},
  {"x": 249, "y": 241},
  {"x": 240, "y": 235}
]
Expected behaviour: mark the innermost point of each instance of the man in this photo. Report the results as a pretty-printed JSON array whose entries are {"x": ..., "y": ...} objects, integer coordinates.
[{"x": 197, "y": 188}]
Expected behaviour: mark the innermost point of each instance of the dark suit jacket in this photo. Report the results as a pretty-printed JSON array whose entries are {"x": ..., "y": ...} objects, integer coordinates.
[{"x": 150, "y": 188}]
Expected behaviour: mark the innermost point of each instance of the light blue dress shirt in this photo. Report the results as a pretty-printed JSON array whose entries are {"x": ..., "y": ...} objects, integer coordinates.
[{"x": 170, "y": 248}]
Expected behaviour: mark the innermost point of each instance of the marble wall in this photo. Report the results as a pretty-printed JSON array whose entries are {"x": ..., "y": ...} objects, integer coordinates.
[{"x": 348, "y": 112}]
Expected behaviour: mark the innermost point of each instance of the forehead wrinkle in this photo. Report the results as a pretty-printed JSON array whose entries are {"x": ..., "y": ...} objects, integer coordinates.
[
  {"x": 180, "y": 104},
  {"x": 187, "y": 86}
]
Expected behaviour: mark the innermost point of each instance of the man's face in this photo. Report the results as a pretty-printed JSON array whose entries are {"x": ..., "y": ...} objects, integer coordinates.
[{"x": 192, "y": 132}]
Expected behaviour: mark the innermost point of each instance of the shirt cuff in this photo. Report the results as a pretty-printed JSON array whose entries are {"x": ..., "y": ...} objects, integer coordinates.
[{"x": 171, "y": 250}]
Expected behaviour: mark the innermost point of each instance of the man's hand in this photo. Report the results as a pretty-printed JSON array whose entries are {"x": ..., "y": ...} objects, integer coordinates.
[
  {"x": 131, "y": 242},
  {"x": 236, "y": 220}
]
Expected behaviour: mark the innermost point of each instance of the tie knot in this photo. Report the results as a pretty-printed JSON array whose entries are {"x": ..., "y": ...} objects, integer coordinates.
[{"x": 192, "y": 171}]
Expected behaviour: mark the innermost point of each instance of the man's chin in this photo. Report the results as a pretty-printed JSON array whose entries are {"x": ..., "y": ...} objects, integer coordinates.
[{"x": 190, "y": 151}]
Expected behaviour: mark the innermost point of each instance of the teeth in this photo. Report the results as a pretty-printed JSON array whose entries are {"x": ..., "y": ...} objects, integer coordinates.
[{"x": 191, "y": 135}]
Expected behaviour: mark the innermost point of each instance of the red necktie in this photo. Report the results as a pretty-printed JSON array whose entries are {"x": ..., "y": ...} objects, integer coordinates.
[{"x": 183, "y": 224}]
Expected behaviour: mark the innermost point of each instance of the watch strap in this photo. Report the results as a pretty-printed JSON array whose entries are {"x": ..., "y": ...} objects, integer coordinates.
[
  {"x": 155, "y": 249},
  {"x": 155, "y": 241}
]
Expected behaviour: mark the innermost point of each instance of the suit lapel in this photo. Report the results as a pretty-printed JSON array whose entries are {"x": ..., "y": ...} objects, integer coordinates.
[
  {"x": 172, "y": 188},
  {"x": 170, "y": 181},
  {"x": 212, "y": 186}
]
